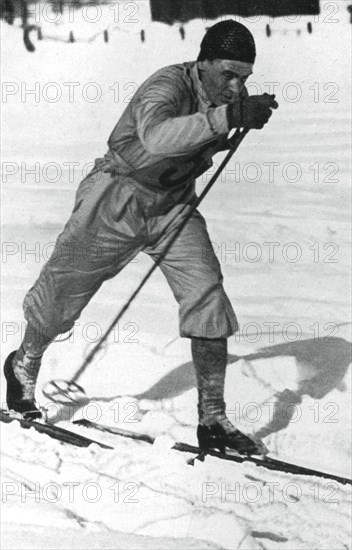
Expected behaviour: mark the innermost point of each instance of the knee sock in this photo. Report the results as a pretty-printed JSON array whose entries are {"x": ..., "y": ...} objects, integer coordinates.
[
  {"x": 210, "y": 360},
  {"x": 27, "y": 360}
]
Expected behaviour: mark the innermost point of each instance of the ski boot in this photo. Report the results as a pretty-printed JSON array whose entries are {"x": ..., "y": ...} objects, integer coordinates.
[
  {"x": 15, "y": 392},
  {"x": 223, "y": 434}
]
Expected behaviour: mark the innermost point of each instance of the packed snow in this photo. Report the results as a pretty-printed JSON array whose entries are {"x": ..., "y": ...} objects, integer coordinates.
[{"x": 279, "y": 220}]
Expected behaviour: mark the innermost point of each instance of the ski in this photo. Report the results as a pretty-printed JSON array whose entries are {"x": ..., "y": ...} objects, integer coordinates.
[
  {"x": 78, "y": 440},
  {"x": 266, "y": 462},
  {"x": 55, "y": 432}
]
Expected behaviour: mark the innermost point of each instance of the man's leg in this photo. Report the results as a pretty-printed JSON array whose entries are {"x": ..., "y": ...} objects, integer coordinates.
[
  {"x": 96, "y": 244},
  {"x": 210, "y": 360},
  {"x": 206, "y": 316},
  {"x": 21, "y": 371},
  {"x": 215, "y": 429}
]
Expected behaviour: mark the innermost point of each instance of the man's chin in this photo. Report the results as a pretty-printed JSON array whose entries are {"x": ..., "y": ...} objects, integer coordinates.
[
  {"x": 227, "y": 100},
  {"x": 223, "y": 100}
]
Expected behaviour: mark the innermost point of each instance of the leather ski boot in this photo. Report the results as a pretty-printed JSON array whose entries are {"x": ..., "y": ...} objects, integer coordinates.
[
  {"x": 223, "y": 434},
  {"x": 21, "y": 374}
]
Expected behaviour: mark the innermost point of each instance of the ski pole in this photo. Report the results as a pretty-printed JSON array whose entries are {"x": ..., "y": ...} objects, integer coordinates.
[{"x": 235, "y": 141}]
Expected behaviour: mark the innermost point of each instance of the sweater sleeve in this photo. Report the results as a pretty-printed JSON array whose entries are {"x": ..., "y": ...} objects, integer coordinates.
[{"x": 162, "y": 131}]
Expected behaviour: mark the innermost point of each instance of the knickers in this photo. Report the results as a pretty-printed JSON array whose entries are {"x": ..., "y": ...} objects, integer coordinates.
[{"x": 114, "y": 219}]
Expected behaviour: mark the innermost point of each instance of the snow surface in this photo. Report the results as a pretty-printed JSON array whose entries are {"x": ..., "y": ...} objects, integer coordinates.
[{"x": 288, "y": 378}]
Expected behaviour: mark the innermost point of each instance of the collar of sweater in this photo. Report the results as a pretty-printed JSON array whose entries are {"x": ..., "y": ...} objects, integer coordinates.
[{"x": 203, "y": 102}]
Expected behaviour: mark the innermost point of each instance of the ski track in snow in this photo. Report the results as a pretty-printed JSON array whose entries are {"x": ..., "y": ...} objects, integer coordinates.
[{"x": 299, "y": 388}]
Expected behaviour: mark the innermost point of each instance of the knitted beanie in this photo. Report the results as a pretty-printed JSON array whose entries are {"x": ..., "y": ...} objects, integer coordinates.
[{"x": 228, "y": 40}]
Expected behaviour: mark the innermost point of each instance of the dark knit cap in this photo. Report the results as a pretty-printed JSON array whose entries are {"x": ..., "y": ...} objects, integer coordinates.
[{"x": 228, "y": 40}]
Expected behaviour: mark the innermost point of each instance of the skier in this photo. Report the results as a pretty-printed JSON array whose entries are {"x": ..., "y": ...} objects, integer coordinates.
[{"x": 133, "y": 200}]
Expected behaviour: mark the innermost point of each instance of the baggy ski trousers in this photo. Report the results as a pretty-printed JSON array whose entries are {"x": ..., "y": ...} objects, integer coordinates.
[{"x": 115, "y": 218}]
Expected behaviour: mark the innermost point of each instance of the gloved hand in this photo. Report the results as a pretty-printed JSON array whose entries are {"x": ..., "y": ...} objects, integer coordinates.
[{"x": 252, "y": 112}]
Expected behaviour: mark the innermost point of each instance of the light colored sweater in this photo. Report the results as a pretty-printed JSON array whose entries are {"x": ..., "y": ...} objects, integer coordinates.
[{"x": 169, "y": 131}]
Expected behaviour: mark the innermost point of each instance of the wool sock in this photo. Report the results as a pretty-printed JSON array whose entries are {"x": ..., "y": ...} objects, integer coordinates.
[
  {"x": 27, "y": 360},
  {"x": 26, "y": 370},
  {"x": 210, "y": 360}
]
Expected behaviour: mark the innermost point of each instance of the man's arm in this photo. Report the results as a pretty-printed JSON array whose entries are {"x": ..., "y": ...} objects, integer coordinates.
[{"x": 163, "y": 132}]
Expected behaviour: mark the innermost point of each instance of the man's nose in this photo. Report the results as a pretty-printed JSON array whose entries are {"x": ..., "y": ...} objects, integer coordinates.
[{"x": 236, "y": 86}]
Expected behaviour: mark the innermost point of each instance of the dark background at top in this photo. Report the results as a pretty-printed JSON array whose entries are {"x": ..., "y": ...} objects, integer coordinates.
[{"x": 169, "y": 11}]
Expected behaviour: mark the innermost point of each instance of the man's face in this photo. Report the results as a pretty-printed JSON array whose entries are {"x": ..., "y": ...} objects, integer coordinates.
[{"x": 223, "y": 80}]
